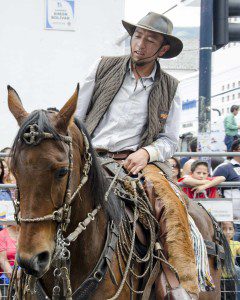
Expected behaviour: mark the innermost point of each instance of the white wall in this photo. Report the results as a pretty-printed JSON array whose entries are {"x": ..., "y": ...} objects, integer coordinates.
[{"x": 45, "y": 66}]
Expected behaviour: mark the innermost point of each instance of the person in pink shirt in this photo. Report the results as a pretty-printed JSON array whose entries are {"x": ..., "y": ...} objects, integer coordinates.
[{"x": 8, "y": 240}]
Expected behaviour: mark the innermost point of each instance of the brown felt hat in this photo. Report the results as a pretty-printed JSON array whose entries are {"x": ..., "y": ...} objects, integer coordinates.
[{"x": 160, "y": 24}]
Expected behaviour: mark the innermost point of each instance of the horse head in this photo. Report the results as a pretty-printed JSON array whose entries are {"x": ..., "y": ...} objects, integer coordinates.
[{"x": 42, "y": 162}]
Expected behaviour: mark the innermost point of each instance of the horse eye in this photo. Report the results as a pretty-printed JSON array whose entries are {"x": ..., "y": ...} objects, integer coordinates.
[{"x": 61, "y": 172}]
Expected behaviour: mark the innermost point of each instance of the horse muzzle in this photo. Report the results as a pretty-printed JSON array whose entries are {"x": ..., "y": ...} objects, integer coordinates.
[{"x": 37, "y": 265}]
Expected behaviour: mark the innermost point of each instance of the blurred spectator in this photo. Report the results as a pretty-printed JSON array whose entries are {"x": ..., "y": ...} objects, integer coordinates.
[
  {"x": 231, "y": 172},
  {"x": 5, "y": 194},
  {"x": 8, "y": 240},
  {"x": 202, "y": 185},
  {"x": 187, "y": 165},
  {"x": 231, "y": 127},
  {"x": 176, "y": 170},
  {"x": 216, "y": 161},
  {"x": 228, "y": 230}
]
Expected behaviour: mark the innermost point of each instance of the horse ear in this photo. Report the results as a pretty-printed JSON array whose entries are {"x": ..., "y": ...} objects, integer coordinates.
[
  {"x": 15, "y": 106},
  {"x": 66, "y": 113}
]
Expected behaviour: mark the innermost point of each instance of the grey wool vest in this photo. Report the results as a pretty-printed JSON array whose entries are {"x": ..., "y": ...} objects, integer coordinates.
[{"x": 109, "y": 79}]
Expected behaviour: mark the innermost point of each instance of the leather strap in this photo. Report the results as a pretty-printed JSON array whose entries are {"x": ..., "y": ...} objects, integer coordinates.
[
  {"x": 151, "y": 280},
  {"x": 115, "y": 155},
  {"x": 215, "y": 249}
]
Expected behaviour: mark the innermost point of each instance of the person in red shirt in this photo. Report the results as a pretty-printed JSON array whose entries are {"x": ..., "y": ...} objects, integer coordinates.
[
  {"x": 201, "y": 185},
  {"x": 8, "y": 240}
]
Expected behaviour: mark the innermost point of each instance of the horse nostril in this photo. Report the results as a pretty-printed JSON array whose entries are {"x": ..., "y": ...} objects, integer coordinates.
[
  {"x": 36, "y": 265},
  {"x": 43, "y": 258}
]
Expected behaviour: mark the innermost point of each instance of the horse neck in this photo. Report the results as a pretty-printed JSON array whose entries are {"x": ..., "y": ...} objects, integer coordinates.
[{"x": 86, "y": 250}]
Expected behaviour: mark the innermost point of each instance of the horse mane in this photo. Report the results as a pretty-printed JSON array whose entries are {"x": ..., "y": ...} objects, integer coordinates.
[
  {"x": 99, "y": 184},
  {"x": 97, "y": 181}
]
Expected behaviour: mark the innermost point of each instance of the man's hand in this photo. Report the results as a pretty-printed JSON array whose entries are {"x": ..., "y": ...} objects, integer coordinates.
[{"x": 136, "y": 161}]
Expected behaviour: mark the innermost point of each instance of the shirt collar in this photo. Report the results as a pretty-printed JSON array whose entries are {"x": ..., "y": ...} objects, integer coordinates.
[
  {"x": 234, "y": 162},
  {"x": 151, "y": 76}
]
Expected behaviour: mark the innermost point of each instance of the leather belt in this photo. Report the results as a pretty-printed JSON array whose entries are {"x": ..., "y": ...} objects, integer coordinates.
[{"x": 115, "y": 155}]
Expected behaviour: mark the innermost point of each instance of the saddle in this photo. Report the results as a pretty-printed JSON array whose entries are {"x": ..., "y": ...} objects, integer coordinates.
[
  {"x": 113, "y": 169},
  {"x": 163, "y": 272}
]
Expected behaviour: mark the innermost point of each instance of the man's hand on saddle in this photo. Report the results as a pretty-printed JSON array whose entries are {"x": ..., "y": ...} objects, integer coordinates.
[{"x": 136, "y": 161}]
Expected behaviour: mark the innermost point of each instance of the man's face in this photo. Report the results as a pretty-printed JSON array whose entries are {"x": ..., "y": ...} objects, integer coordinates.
[
  {"x": 145, "y": 45},
  {"x": 200, "y": 173},
  {"x": 235, "y": 112}
]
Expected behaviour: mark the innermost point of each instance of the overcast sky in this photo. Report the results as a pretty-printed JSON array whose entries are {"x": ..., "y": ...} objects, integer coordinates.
[{"x": 180, "y": 16}]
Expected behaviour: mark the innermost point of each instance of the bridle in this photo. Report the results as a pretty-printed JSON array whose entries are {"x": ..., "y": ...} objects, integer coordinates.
[
  {"x": 60, "y": 260},
  {"x": 33, "y": 136}
]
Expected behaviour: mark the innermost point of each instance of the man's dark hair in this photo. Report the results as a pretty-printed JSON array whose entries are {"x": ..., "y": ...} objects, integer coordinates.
[
  {"x": 2, "y": 171},
  {"x": 235, "y": 145},
  {"x": 197, "y": 163},
  {"x": 193, "y": 145},
  {"x": 234, "y": 107}
]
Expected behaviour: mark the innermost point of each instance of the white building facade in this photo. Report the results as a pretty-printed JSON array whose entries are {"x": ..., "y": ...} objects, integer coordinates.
[
  {"x": 44, "y": 66},
  {"x": 225, "y": 93}
]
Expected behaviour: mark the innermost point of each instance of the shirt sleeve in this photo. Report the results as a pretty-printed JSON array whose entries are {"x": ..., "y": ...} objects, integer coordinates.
[
  {"x": 166, "y": 144},
  {"x": 3, "y": 241},
  {"x": 230, "y": 123},
  {"x": 220, "y": 171},
  {"x": 85, "y": 93}
]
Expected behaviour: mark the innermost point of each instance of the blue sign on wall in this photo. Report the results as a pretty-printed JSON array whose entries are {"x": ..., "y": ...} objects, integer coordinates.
[{"x": 59, "y": 14}]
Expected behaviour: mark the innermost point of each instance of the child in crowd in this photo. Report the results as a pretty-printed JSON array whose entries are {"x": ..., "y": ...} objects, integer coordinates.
[
  {"x": 202, "y": 185},
  {"x": 228, "y": 230},
  {"x": 176, "y": 169}
]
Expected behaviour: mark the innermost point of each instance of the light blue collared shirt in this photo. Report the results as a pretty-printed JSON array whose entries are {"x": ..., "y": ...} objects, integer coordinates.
[{"x": 126, "y": 118}]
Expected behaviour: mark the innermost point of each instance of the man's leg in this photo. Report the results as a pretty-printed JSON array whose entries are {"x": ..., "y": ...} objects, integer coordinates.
[
  {"x": 228, "y": 142},
  {"x": 174, "y": 229}
]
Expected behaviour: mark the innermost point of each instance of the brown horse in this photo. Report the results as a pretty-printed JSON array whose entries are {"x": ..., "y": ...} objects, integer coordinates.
[{"x": 56, "y": 168}]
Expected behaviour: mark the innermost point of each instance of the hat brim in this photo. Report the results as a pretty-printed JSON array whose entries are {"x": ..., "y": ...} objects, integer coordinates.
[{"x": 175, "y": 44}]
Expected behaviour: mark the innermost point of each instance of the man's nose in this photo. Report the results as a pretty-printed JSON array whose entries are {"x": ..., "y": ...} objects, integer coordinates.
[{"x": 141, "y": 43}]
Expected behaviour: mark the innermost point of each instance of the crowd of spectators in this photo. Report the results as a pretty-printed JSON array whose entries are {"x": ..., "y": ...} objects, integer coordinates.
[
  {"x": 8, "y": 234},
  {"x": 200, "y": 179}
]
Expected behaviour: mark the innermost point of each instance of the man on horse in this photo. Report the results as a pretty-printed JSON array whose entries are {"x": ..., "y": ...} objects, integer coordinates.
[{"x": 131, "y": 109}]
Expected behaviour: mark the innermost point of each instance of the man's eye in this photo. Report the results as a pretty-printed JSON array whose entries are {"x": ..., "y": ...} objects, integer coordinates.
[{"x": 61, "y": 172}]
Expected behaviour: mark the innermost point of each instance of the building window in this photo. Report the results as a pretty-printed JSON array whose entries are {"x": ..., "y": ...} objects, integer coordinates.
[
  {"x": 227, "y": 98},
  {"x": 186, "y": 125},
  {"x": 228, "y": 109},
  {"x": 233, "y": 96},
  {"x": 222, "y": 110},
  {"x": 233, "y": 85},
  {"x": 228, "y": 86},
  {"x": 222, "y": 99},
  {"x": 222, "y": 87},
  {"x": 238, "y": 83},
  {"x": 238, "y": 95}
]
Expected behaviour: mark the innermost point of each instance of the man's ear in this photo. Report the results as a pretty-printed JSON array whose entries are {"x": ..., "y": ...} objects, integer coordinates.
[{"x": 163, "y": 50}]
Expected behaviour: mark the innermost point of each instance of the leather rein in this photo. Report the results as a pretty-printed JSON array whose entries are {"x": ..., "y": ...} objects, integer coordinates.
[{"x": 61, "y": 257}]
